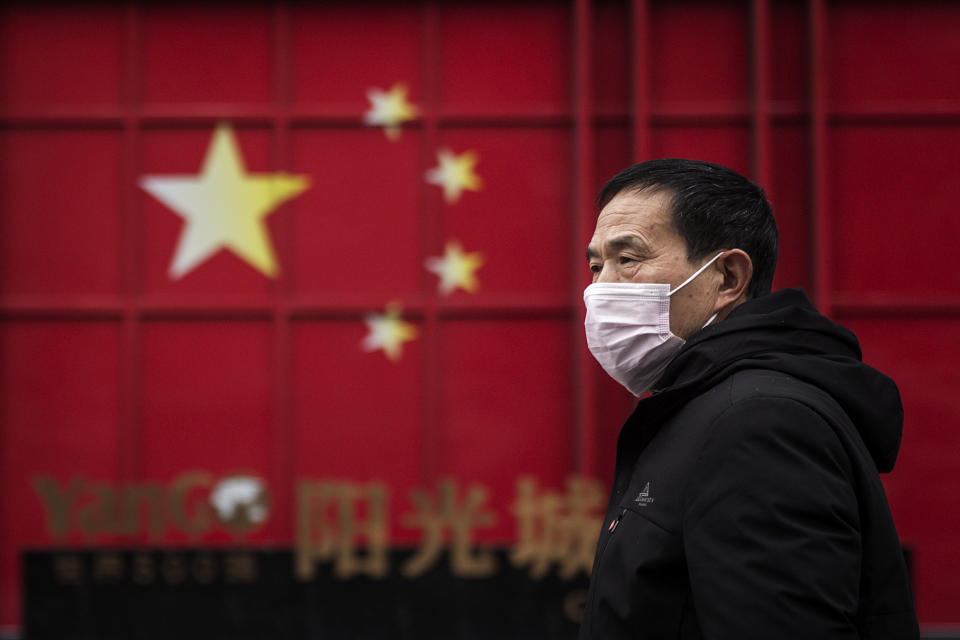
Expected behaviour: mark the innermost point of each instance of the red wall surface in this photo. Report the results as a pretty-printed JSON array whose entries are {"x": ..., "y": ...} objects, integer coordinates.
[{"x": 114, "y": 372}]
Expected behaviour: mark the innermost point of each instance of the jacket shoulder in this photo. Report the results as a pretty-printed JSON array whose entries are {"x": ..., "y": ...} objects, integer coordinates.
[
  {"x": 763, "y": 405},
  {"x": 751, "y": 384},
  {"x": 760, "y": 391}
]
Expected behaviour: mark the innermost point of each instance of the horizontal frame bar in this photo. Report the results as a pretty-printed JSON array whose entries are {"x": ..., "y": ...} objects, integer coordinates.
[{"x": 681, "y": 112}]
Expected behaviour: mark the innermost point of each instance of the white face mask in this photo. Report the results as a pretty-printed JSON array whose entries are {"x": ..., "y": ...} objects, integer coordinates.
[{"x": 628, "y": 329}]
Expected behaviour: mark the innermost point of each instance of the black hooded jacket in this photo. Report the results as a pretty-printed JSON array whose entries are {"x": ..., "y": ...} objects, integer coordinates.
[{"x": 746, "y": 501}]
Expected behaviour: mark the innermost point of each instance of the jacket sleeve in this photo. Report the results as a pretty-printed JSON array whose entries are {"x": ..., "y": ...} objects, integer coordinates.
[{"x": 771, "y": 529}]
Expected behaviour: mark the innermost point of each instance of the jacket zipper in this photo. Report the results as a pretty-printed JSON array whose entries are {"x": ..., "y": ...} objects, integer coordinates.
[
  {"x": 610, "y": 530},
  {"x": 613, "y": 527}
]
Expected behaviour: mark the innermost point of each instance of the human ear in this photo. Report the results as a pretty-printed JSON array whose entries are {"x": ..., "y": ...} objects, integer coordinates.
[{"x": 737, "y": 270}]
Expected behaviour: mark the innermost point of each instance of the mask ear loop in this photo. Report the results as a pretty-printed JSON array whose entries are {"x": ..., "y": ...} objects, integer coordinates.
[{"x": 696, "y": 273}]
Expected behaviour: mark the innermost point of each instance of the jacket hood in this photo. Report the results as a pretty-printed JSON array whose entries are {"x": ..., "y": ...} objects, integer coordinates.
[{"x": 784, "y": 332}]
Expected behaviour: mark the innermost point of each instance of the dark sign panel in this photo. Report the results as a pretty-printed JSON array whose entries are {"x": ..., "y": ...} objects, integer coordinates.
[{"x": 248, "y": 594}]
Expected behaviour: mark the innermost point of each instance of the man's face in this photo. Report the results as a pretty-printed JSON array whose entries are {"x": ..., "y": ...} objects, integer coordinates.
[{"x": 635, "y": 242}]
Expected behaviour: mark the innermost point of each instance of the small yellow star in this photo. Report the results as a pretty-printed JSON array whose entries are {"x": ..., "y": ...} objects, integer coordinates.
[
  {"x": 388, "y": 331},
  {"x": 456, "y": 268},
  {"x": 389, "y": 109},
  {"x": 224, "y": 207},
  {"x": 455, "y": 173}
]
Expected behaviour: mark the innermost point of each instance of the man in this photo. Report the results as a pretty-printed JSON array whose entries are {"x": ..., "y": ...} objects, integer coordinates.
[{"x": 746, "y": 500}]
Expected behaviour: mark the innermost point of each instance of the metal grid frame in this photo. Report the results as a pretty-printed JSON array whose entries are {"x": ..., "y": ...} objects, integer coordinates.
[{"x": 131, "y": 309}]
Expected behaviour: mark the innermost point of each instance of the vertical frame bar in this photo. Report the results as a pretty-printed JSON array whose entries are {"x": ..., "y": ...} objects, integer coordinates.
[
  {"x": 130, "y": 427},
  {"x": 431, "y": 237},
  {"x": 820, "y": 257},
  {"x": 585, "y": 431},
  {"x": 281, "y": 437},
  {"x": 640, "y": 80},
  {"x": 760, "y": 91}
]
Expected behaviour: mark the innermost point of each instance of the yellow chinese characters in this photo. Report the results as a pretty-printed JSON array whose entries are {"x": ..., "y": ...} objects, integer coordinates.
[{"x": 347, "y": 524}]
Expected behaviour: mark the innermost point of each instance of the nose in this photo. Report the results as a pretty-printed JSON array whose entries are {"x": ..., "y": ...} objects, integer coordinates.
[{"x": 608, "y": 273}]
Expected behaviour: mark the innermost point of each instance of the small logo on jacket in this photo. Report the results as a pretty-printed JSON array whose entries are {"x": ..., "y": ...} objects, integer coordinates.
[{"x": 644, "y": 498}]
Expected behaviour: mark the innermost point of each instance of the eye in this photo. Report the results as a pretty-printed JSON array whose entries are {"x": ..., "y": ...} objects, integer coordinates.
[
  {"x": 595, "y": 268},
  {"x": 626, "y": 260}
]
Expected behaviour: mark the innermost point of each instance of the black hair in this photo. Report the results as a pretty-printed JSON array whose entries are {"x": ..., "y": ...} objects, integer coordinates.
[{"x": 712, "y": 208}]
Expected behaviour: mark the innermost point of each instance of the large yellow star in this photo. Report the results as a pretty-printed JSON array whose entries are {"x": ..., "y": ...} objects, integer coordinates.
[
  {"x": 224, "y": 206},
  {"x": 389, "y": 109},
  {"x": 388, "y": 331},
  {"x": 455, "y": 173},
  {"x": 456, "y": 268}
]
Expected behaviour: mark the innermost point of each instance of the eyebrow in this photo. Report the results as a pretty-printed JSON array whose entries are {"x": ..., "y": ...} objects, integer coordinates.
[{"x": 618, "y": 243}]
